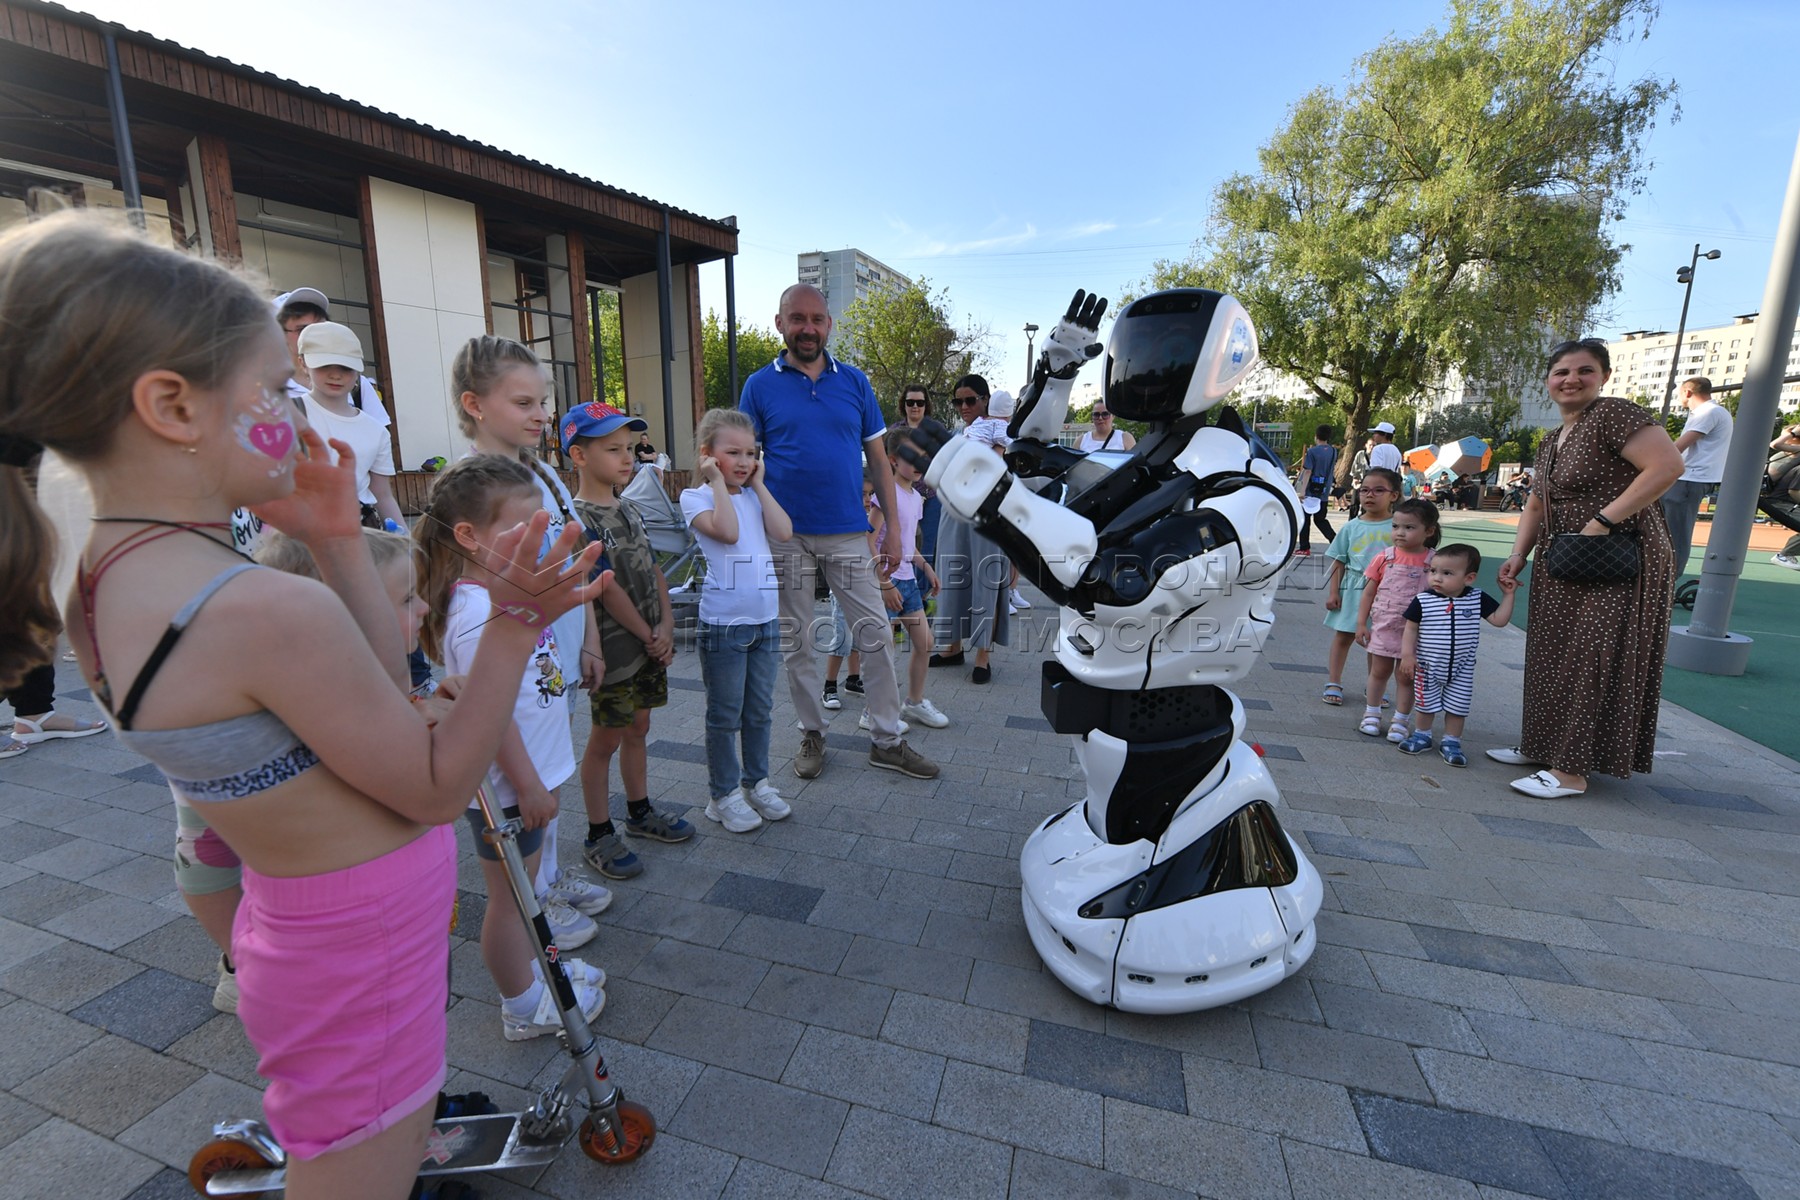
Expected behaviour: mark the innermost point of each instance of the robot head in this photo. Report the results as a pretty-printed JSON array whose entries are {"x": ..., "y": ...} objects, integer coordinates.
[{"x": 1177, "y": 353}]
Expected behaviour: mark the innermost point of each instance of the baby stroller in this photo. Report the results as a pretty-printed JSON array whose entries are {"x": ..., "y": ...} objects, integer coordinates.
[{"x": 677, "y": 552}]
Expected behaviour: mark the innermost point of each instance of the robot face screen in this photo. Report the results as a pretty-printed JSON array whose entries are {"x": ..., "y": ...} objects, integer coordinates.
[{"x": 1155, "y": 348}]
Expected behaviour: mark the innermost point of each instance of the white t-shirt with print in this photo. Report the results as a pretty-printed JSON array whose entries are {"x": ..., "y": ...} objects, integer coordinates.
[
  {"x": 368, "y": 440},
  {"x": 1385, "y": 455},
  {"x": 540, "y": 711},
  {"x": 740, "y": 577}
]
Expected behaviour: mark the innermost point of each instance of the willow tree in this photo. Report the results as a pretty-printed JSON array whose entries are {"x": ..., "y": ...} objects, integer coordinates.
[{"x": 1449, "y": 209}]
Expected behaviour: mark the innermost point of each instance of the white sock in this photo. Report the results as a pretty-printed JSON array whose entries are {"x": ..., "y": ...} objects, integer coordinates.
[{"x": 525, "y": 1003}]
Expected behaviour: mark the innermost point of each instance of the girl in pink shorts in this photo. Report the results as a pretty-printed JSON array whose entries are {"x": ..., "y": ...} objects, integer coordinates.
[{"x": 273, "y": 704}]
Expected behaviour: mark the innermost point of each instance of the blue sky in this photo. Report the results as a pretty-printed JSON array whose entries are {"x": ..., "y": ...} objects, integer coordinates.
[{"x": 1010, "y": 153}]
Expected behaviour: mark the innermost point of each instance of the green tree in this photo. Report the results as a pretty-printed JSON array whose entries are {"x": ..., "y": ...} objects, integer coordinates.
[
  {"x": 756, "y": 348},
  {"x": 1448, "y": 210},
  {"x": 609, "y": 350},
  {"x": 904, "y": 336}
]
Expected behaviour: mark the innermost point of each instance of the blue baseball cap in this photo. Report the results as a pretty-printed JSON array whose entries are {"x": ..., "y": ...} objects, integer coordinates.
[{"x": 596, "y": 420}]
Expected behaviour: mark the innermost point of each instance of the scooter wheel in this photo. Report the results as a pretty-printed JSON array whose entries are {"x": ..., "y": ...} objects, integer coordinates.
[
  {"x": 224, "y": 1154},
  {"x": 1688, "y": 594},
  {"x": 637, "y": 1129}
]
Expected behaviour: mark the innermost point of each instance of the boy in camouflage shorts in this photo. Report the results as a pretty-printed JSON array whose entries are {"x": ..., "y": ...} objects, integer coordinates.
[{"x": 637, "y": 642}]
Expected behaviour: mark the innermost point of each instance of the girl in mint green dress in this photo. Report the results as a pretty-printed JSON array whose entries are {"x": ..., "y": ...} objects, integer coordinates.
[{"x": 1358, "y": 542}]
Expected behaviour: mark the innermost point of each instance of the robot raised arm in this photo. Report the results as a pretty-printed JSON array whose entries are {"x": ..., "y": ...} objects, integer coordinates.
[{"x": 1044, "y": 403}]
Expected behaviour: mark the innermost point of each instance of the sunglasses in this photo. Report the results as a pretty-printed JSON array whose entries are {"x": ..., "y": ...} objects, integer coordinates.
[
  {"x": 915, "y": 404},
  {"x": 962, "y": 400},
  {"x": 1103, "y": 416}
]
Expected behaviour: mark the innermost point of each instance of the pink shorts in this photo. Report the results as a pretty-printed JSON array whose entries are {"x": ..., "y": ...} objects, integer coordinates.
[{"x": 342, "y": 985}]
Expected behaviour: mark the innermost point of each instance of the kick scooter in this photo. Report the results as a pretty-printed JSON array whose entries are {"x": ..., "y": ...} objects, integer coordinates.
[{"x": 243, "y": 1159}]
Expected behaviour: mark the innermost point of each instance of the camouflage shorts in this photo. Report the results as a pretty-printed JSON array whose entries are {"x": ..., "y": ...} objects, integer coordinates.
[{"x": 615, "y": 705}]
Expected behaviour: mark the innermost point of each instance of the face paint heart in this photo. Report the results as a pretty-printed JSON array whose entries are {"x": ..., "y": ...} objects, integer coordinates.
[{"x": 272, "y": 440}]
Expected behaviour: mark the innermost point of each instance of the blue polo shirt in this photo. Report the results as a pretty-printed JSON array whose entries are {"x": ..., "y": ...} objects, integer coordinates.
[{"x": 812, "y": 436}]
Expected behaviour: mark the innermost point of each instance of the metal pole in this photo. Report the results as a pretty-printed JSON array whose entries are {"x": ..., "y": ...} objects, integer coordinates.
[
  {"x": 664, "y": 286},
  {"x": 1675, "y": 362},
  {"x": 121, "y": 127},
  {"x": 1706, "y": 644},
  {"x": 731, "y": 370}
]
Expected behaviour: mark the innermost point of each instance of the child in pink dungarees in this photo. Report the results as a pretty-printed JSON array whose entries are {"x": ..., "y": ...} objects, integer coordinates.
[{"x": 1395, "y": 576}]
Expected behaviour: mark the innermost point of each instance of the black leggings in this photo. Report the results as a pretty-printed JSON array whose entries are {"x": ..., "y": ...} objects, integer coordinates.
[
  {"x": 1306, "y": 524},
  {"x": 36, "y": 693}
]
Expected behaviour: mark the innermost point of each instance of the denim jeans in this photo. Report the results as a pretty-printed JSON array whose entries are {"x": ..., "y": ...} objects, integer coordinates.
[{"x": 738, "y": 664}]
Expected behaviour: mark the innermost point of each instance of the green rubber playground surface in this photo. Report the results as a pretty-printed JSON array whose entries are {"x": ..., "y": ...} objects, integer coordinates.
[{"x": 1763, "y": 704}]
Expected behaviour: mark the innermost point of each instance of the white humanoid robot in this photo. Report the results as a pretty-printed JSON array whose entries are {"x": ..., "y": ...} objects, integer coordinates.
[{"x": 1171, "y": 886}]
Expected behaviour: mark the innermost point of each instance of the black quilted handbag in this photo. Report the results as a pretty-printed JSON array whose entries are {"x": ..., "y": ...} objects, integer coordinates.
[{"x": 1605, "y": 558}]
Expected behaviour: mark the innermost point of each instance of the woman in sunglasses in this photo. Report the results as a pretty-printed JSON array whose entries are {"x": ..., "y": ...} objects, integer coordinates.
[
  {"x": 1104, "y": 436},
  {"x": 973, "y": 573},
  {"x": 915, "y": 413}
]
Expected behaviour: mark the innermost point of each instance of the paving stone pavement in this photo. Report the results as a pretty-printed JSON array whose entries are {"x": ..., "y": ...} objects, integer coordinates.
[{"x": 1566, "y": 999}]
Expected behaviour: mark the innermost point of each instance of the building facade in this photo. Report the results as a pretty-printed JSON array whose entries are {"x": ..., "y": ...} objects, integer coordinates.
[
  {"x": 845, "y": 276},
  {"x": 419, "y": 238},
  {"x": 1641, "y": 359}
]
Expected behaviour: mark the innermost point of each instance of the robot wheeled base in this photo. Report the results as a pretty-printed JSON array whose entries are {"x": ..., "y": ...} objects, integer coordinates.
[{"x": 243, "y": 1158}]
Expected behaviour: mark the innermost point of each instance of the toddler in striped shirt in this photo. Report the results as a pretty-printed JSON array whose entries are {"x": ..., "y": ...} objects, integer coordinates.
[{"x": 1437, "y": 649}]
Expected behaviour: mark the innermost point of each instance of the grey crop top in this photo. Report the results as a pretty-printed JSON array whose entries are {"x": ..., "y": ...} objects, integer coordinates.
[{"x": 220, "y": 760}]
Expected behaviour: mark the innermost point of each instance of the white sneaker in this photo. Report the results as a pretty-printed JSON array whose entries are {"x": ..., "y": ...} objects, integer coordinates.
[
  {"x": 1017, "y": 599},
  {"x": 863, "y": 722},
  {"x": 767, "y": 802},
  {"x": 589, "y": 899},
  {"x": 581, "y": 973},
  {"x": 568, "y": 927},
  {"x": 924, "y": 713},
  {"x": 730, "y": 811},
  {"x": 225, "y": 992},
  {"x": 1782, "y": 560},
  {"x": 548, "y": 1018}
]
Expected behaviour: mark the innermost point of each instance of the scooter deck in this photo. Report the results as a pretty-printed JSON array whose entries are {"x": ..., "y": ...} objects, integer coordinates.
[{"x": 455, "y": 1146}]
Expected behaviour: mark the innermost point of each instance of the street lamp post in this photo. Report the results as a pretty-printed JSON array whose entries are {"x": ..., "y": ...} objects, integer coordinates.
[
  {"x": 1683, "y": 275},
  {"x": 1030, "y": 334}
]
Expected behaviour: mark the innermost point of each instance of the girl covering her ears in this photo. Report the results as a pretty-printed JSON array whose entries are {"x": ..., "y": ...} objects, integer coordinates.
[{"x": 161, "y": 377}]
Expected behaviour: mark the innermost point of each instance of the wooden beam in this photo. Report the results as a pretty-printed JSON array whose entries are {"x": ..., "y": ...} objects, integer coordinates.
[
  {"x": 221, "y": 198},
  {"x": 578, "y": 319},
  {"x": 384, "y": 371},
  {"x": 695, "y": 358},
  {"x": 487, "y": 285}
]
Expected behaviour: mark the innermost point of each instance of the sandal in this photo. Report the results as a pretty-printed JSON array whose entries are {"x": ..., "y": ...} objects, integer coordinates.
[
  {"x": 1333, "y": 694},
  {"x": 33, "y": 732},
  {"x": 13, "y": 748},
  {"x": 1371, "y": 725}
]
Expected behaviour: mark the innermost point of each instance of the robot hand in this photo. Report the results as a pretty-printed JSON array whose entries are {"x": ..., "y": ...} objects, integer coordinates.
[
  {"x": 964, "y": 473},
  {"x": 1075, "y": 339},
  {"x": 1073, "y": 342},
  {"x": 922, "y": 445}
]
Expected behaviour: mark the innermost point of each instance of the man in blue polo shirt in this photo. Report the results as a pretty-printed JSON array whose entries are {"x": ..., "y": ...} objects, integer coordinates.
[{"x": 817, "y": 418}]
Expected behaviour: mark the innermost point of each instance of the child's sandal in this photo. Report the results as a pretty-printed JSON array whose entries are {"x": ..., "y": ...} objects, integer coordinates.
[
  {"x": 1371, "y": 725},
  {"x": 1333, "y": 694}
]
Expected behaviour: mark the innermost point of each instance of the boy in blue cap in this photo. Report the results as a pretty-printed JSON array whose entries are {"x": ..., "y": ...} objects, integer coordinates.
[{"x": 637, "y": 641}]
